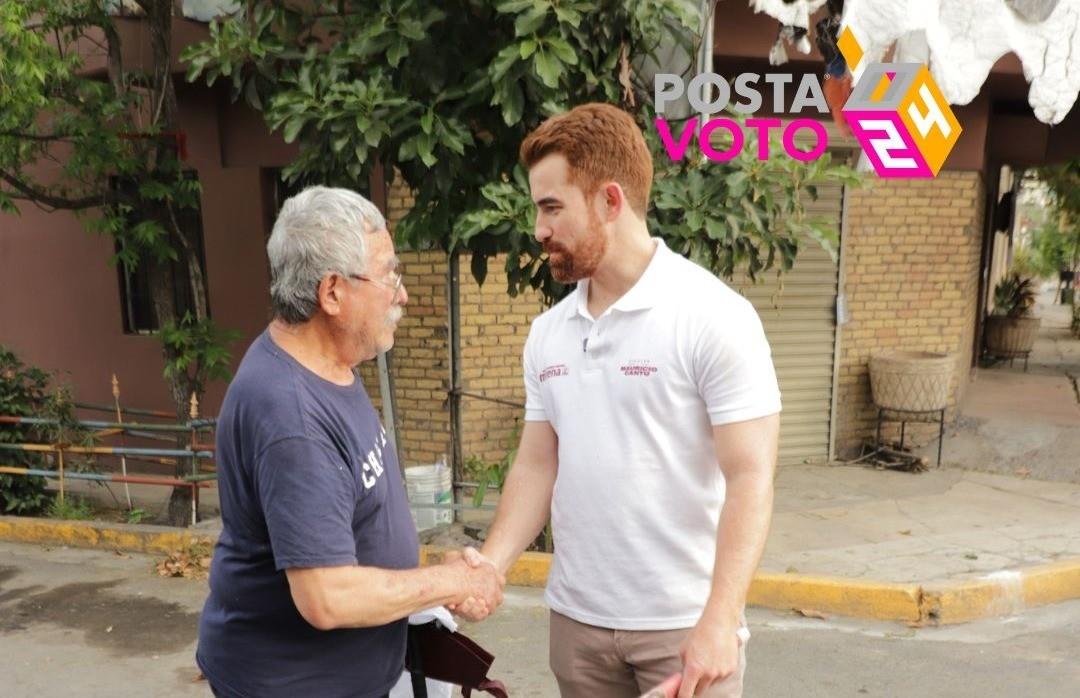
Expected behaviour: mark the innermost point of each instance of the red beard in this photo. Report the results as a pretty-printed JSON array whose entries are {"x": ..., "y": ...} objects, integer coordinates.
[{"x": 568, "y": 267}]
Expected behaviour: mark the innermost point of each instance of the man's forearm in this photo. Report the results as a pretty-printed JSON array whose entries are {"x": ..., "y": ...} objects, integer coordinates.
[
  {"x": 743, "y": 530},
  {"x": 358, "y": 597},
  {"x": 524, "y": 508}
]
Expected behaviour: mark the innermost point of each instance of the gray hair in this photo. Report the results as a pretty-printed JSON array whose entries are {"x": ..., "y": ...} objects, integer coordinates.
[{"x": 320, "y": 230}]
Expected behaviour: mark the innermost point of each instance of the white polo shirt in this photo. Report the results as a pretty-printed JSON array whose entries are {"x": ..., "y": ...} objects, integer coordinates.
[{"x": 632, "y": 396}]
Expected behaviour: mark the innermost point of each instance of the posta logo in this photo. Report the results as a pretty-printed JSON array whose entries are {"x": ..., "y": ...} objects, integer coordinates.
[
  {"x": 898, "y": 115},
  {"x": 895, "y": 110}
]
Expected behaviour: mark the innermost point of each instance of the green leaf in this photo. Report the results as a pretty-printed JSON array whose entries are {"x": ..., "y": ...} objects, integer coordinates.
[
  {"x": 481, "y": 490},
  {"x": 292, "y": 128},
  {"x": 528, "y": 48},
  {"x": 407, "y": 150},
  {"x": 425, "y": 147},
  {"x": 372, "y": 137},
  {"x": 530, "y": 21},
  {"x": 411, "y": 29},
  {"x": 568, "y": 16},
  {"x": 504, "y": 60},
  {"x": 513, "y": 103},
  {"x": 561, "y": 49},
  {"x": 548, "y": 67},
  {"x": 426, "y": 120},
  {"x": 514, "y": 6},
  {"x": 397, "y": 51}
]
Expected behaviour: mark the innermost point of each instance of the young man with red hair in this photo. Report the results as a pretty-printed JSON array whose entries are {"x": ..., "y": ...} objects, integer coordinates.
[{"x": 650, "y": 438}]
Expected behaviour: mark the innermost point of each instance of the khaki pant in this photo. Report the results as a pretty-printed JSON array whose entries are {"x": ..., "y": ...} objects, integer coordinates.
[{"x": 592, "y": 662}]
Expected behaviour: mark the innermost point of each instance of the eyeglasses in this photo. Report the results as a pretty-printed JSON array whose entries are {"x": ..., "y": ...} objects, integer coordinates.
[{"x": 395, "y": 287}]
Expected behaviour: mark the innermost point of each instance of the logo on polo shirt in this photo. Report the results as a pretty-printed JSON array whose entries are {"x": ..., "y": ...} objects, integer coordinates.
[
  {"x": 638, "y": 367},
  {"x": 554, "y": 371}
]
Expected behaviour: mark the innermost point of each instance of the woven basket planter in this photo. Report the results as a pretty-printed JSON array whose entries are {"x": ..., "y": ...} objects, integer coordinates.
[
  {"x": 911, "y": 381},
  {"x": 1010, "y": 337}
]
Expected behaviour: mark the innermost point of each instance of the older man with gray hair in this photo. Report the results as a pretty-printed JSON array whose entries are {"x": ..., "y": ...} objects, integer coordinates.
[{"x": 315, "y": 571}]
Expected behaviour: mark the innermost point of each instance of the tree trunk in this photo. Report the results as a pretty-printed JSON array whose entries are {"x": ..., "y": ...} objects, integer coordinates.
[{"x": 164, "y": 115}]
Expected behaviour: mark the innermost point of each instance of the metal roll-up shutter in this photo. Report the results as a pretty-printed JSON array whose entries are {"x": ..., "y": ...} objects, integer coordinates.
[{"x": 799, "y": 315}]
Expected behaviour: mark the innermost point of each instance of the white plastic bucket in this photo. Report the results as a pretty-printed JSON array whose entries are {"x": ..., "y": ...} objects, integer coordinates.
[{"x": 429, "y": 484}]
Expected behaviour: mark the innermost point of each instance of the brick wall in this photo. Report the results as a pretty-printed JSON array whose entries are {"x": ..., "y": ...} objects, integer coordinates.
[
  {"x": 493, "y": 331},
  {"x": 421, "y": 361},
  {"x": 421, "y": 356},
  {"x": 912, "y": 266}
]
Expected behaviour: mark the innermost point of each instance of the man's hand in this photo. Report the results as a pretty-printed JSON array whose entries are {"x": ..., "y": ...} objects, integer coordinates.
[
  {"x": 710, "y": 654},
  {"x": 483, "y": 599}
]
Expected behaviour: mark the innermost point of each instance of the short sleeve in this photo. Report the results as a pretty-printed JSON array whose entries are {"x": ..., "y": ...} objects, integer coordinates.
[
  {"x": 308, "y": 497},
  {"x": 534, "y": 402},
  {"x": 733, "y": 366}
]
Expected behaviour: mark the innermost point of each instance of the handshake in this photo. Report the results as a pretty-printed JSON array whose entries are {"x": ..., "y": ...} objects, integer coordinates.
[{"x": 481, "y": 584}]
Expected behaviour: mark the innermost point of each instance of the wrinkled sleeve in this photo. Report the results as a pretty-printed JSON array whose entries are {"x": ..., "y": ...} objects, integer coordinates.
[{"x": 308, "y": 497}]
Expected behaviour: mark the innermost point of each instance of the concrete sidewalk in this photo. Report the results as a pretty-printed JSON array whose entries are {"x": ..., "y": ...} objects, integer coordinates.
[
  {"x": 1013, "y": 421},
  {"x": 887, "y": 526}
]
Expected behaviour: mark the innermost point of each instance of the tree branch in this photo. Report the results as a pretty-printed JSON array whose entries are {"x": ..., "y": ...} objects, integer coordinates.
[
  {"x": 31, "y": 193},
  {"x": 115, "y": 67},
  {"x": 33, "y": 136}
]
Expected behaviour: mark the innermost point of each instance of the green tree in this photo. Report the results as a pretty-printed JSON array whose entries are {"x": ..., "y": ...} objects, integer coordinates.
[
  {"x": 444, "y": 92},
  {"x": 1060, "y": 236},
  {"x": 105, "y": 148}
]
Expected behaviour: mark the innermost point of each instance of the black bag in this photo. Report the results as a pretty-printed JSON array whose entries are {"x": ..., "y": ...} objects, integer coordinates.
[{"x": 436, "y": 653}]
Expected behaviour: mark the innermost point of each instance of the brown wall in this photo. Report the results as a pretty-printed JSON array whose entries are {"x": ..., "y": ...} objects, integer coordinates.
[
  {"x": 60, "y": 307},
  {"x": 912, "y": 269}
]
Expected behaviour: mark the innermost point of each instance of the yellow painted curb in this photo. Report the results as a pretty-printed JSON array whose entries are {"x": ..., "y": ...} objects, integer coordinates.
[
  {"x": 779, "y": 591},
  {"x": 835, "y": 595},
  {"x": 137, "y": 538},
  {"x": 530, "y": 570},
  {"x": 1000, "y": 593}
]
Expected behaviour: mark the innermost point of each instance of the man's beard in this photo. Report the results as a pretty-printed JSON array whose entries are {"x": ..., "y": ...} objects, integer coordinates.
[{"x": 568, "y": 267}]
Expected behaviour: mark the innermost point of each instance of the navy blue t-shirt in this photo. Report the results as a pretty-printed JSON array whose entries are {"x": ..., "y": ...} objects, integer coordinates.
[{"x": 306, "y": 478}]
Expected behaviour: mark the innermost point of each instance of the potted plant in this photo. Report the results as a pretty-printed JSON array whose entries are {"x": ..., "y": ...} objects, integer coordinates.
[{"x": 1011, "y": 329}]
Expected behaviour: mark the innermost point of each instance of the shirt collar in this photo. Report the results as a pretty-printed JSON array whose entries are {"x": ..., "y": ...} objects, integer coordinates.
[{"x": 645, "y": 292}]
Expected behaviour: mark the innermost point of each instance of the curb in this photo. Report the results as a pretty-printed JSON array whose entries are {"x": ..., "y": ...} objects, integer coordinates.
[
  {"x": 136, "y": 538},
  {"x": 940, "y": 603},
  {"x": 836, "y": 595}
]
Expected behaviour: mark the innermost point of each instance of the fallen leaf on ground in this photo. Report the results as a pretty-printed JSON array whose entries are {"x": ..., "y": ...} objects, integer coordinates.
[
  {"x": 1023, "y": 472},
  {"x": 906, "y": 532},
  {"x": 191, "y": 563},
  {"x": 810, "y": 613}
]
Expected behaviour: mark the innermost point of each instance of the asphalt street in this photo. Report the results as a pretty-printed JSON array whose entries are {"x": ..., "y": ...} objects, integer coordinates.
[{"x": 94, "y": 623}]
